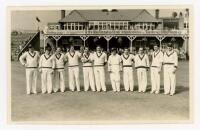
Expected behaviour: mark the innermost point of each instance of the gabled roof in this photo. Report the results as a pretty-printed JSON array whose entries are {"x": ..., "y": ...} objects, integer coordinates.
[
  {"x": 73, "y": 16},
  {"x": 144, "y": 16},
  {"x": 99, "y": 15},
  {"x": 135, "y": 15}
]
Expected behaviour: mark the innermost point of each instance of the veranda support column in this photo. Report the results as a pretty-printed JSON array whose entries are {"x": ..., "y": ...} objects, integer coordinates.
[
  {"x": 108, "y": 39},
  {"x": 131, "y": 38},
  {"x": 160, "y": 38},
  {"x": 185, "y": 40},
  {"x": 84, "y": 38},
  {"x": 56, "y": 38}
]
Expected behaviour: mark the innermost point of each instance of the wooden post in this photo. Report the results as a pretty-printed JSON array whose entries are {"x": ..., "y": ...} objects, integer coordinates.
[
  {"x": 84, "y": 38},
  {"x": 56, "y": 43},
  {"x": 131, "y": 38}
]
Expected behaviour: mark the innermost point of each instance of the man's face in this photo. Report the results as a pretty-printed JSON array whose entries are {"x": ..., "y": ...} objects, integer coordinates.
[
  {"x": 169, "y": 48},
  {"x": 155, "y": 48},
  {"x": 141, "y": 51},
  {"x": 126, "y": 51},
  {"x": 47, "y": 51},
  {"x": 31, "y": 49},
  {"x": 72, "y": 48},
  {"x": 58, "y": 50},
  {"x": 86, "y": 50},
  {"x": 98, "y": 49},
  {"x": 114, "y": 52}
]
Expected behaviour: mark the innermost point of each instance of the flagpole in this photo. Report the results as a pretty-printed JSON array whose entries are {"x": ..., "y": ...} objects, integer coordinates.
[{"x": 38, "y": 21}]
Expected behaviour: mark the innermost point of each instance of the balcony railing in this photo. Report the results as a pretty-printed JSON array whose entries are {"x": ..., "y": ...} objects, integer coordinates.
[{"x": 116, "y": 32}]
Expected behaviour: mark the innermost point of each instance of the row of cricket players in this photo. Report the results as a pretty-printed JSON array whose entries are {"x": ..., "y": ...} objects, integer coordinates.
[{"x": 52, "y": 69}]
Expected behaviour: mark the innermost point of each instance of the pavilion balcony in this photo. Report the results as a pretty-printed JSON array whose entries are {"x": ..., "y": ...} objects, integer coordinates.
[{"x": 116, "y": 32}]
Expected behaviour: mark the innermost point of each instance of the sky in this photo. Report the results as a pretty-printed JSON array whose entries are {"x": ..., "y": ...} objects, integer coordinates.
[{"x": 26, "y": 20}]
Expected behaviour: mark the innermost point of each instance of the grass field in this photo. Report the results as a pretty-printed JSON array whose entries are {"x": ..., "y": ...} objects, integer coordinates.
[{"x": 93, "y": 106}]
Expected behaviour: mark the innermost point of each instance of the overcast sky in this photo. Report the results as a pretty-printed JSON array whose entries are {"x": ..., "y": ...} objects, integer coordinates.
[{"x": 26, "y": 20}]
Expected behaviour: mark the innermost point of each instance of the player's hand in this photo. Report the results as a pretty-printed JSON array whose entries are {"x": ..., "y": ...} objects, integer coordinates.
[
  {"x": 174, "y": 70},
  {"x": 52, "y": 71}
]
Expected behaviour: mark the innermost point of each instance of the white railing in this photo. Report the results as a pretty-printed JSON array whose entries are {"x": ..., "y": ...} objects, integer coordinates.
[{"x": 106, "y": 32}]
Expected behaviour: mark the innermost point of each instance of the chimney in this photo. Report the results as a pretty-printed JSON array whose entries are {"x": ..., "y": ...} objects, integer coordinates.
[
  {"x": 62, "y": 14},
  {"x": 157, "y": 13}
]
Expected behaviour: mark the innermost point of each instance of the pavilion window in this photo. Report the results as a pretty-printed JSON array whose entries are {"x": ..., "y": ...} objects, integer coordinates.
[
  {"x": 125, "y": 25},
  {"x": 100, "y": 26},
  {"x": 121, "y": 26},
  {"x": 69, "y": 27},
  {"x": 96, "y": 27},
  {"x": 104, "y": 24},
  {"x": 112, "y": 25},
  {"x": 116, "y": 25},
  {"x": 64, "y": 26},
  {"x": 57, "y": 27},
  {"x": 91, "y": 25},
  {"x": 76, "y": 28},
  {"x": 51, "y": 27}
]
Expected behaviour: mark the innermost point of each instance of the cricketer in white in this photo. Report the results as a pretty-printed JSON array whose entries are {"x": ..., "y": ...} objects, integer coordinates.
[
  {"x": 142, "y": 65},
  {"x": 30, "y": 60},
  {"x": 114, "y": 68},
  {"x": 46, "y": 66},
  {"x": 59, "y": 70},
  {"x": 100, "y": 59},
  {"x": 88, "y": 73},
  {"x": 170, "y": 67},
  {"x": 156, "y": 66},
  {"x": 127, "y": 61},
  {"x": 73, "y": 68}
]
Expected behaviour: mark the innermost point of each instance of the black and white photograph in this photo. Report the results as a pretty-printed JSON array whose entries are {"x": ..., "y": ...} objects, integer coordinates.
[{"x": 107, "y": 64}]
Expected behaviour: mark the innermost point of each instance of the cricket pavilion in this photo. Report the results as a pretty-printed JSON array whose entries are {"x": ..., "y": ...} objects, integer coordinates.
[{"x": 131, "y": 28}]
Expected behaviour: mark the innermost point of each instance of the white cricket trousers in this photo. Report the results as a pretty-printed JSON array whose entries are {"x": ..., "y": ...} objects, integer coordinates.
[
  {"x": 31, "y": 80},
  {"x": 59, "y": 80},
  {"x": 142, "y": 79},
  {"x": 73, "y": 73},
  {"x": 128, "y": 78},
  {"x": 88, "y": 76},
  {"x": 47, "y": 77},
  {"x": 155, "y": 79},
  {"x": 115, "y": 80},
  {"x": 99, "y": 74},
  {"x": 169, "y": 79}
]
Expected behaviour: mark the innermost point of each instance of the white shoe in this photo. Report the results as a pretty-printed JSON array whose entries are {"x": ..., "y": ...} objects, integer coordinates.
[{"x": 152, "y": 92}]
